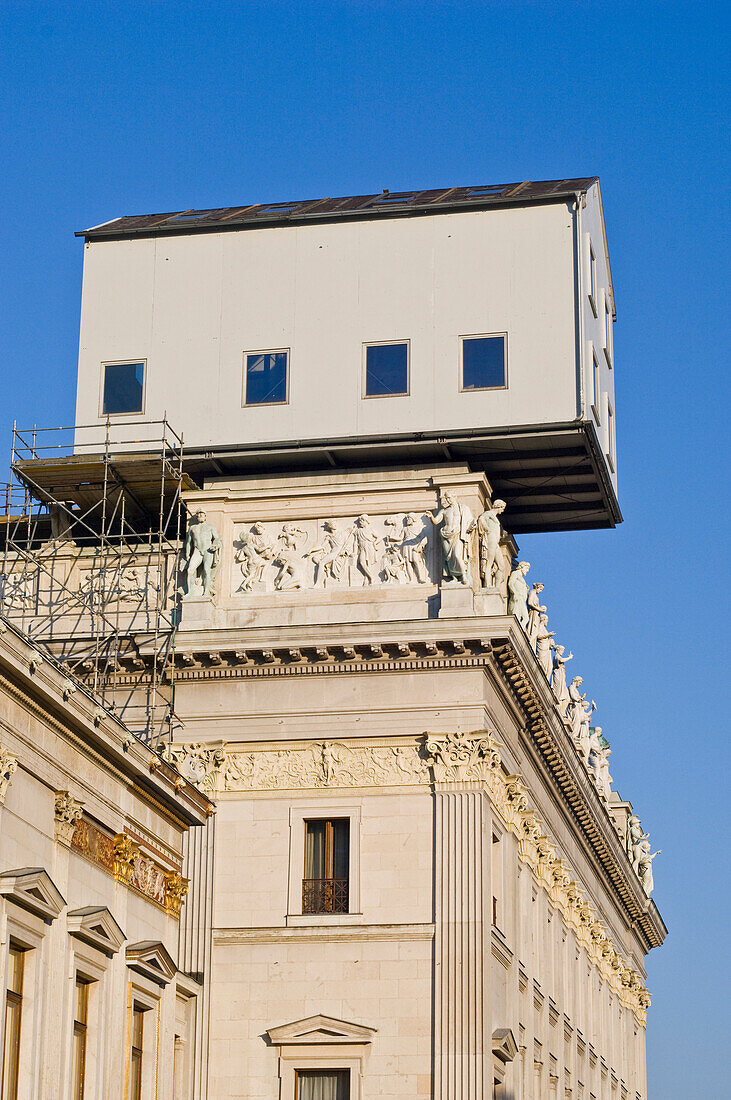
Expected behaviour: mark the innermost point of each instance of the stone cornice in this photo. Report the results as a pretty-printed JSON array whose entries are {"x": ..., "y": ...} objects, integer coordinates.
[{"x": 547, "y": 735}]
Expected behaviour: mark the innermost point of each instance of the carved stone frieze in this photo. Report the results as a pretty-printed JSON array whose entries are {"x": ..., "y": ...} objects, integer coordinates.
[
  {"x": 324, "y": 764},
  {"x": 343, "y": 552},
  {"x": 8, "y": 765},
  {"x": 199, "y": 763},
  {"x": 67, "y": 811}
]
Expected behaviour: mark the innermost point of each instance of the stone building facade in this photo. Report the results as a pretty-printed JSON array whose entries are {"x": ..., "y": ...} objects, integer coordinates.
[
  {"x": 92, "y": 828},
  {"x": 401, "y": 868}
]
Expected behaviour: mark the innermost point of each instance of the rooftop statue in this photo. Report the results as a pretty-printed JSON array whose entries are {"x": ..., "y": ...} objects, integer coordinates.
[
  {"x": 644, "y": 866},
  {"x": 535, "y": 610},
  {"x": 544, "y": 645},
  {"x": 202, "y": 554},
  {"x": 518, "y": 593},
  {"x": 456, "y": 524},
  {"x": 489, "y": 531},
  {"x": 558, "y": 677},
  {"x": 583, "y": 736},
  {"x": 633, "y": 840}
]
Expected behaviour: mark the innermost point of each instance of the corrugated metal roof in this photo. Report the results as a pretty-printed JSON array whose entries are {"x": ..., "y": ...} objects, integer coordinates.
[{"x": 387, "y": 204}]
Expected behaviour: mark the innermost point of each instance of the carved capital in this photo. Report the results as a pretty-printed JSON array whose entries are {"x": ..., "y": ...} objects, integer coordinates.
[
  {"x": 67, "y": 810},
  {"x": 125, "y": 854},
  {"x": 8, "y": 765},
  {"x": 462, "y": 757},
  {"x": 175, "y": 892}
]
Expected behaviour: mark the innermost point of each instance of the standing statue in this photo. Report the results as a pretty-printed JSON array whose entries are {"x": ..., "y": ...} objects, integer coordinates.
[
  {"x": 583, "y": 737},
  {"x": 412, "y": 549},
  {"x": 288, "y": 558},
  {"x": 364, "y": 546},
  {"x": 202, "y": 552},
  {"x": 558, "y": 677},
  {"x": 456, "y": 525},
  {"x": 644, "y": 866},
  {"x": 574, "y": 708},
  {"x": 544, "y": 645},
  {"x": 603, "y": 778},
  {"x": 633, "y": 840},
  {"x": 329, "y": 556},
  {"x": 394, "y": 565},
  {"x": 489, "y": 532},
  {"x": 535, "y": 610},
  {"x": 254, "y": 554},
  {"x": 518, "y": 593}
]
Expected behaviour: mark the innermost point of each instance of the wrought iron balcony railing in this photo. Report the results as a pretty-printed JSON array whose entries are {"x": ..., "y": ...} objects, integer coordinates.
[{"x": 324, "y": 895}]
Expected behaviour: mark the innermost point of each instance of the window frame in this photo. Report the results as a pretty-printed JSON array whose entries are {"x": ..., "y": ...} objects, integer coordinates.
[
  {"x": 14, "y": 998},
  {"x": 365, "y": 396},
  {"x": 608, "y": 332},
  {"x": 592, "y": 294},
  {"x": 122, "y": 363},
  {"x": 320, "y": 810},
  {"x": 611, "y": 452},
  {"x": 596, "y": 386},
  {"x": 483, "y": 336},
  {"x": 80, "y": 1031},
  {"x": 244, "y": 377},
  {"x": 140, "y": 993}
]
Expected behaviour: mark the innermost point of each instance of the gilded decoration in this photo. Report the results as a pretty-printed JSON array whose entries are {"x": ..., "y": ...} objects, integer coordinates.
[
  {"x": 93, "y": 844},
  {"x": 448, "y": 758}
]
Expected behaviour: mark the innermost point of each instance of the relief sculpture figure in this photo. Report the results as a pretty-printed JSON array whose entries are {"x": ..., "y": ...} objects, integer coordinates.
[
  {"x": 202, "y": 553},
  {"x": 254, "y": 554},
  {"x": 456, "y": 524},
  {"x": 413, "y": 547},
  {"x": 489, "y": 531},
  {"x": 288, "y": 558},
  {"x": 394, "y": 565},
  {"x": 364, "y": 547},
  {"x": 329, "y": 557}
]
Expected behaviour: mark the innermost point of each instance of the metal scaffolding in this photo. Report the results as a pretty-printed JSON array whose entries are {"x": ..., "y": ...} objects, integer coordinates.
[{"x": 91, "y": 538}]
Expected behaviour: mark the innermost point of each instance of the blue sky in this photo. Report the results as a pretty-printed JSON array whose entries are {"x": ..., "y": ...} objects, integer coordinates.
[{"x": 118, "y": 108}]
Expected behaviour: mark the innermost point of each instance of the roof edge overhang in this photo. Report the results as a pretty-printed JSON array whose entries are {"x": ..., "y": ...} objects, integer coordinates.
[{"x": 105, "y": 232}]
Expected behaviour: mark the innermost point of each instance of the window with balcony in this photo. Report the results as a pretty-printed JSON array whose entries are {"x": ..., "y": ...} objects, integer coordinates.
[
  {"x": 484, "y": 362},
  {"x": 13, "y": 1017},
  {"x": 265, "y": 377},
  {"x": 313, "y": 1084},
  {"x": 327, "y": 858},
  {"x": 386, "y": 369},
  {"x": 123, "y": 388}
]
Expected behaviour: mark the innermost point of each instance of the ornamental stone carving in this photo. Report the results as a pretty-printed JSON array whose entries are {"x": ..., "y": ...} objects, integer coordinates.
[
  {"x": 198, "y": 762},
  {"x": 462, "y": 757},
  {"x": 176, "y": 890},
  {"x": 67, "y": 810},
  {"x": 324, "y": 764},
  {"x": 17, "y": 591},
  {"x": 202, "y": 557},
  {"x": 8, "y": 766}
]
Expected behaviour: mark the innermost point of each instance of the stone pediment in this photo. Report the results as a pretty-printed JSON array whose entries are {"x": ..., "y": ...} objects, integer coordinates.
[
  {"x": 96, "y": 926},
  {"x": 33, "y": 889},
  {"x": 321, "y": 1029},
  {"x": 152, "y": 960}
]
